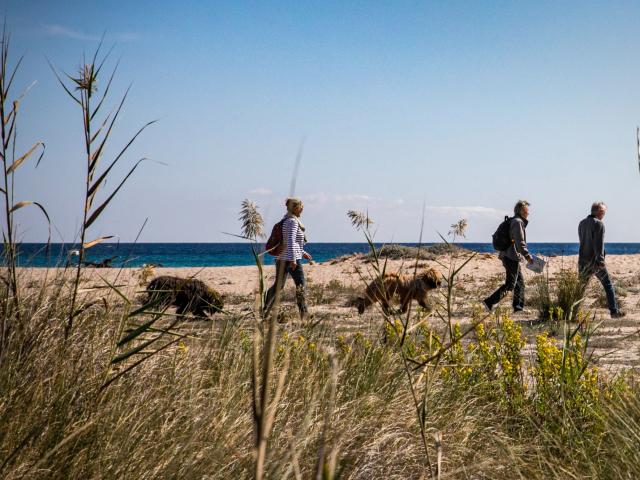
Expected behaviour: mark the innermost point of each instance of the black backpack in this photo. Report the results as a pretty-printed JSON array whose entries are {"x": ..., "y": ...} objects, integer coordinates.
[{"x": 502, "y": 236}]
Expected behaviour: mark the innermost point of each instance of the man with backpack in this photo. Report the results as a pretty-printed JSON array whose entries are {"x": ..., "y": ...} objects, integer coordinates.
[
  {"x": 591, "y": 254},
  {"x": 511, "y": 241}
]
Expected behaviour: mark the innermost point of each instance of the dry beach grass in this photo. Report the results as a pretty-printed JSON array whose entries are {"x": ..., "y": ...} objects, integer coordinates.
[{"x": 186, "y": 412}]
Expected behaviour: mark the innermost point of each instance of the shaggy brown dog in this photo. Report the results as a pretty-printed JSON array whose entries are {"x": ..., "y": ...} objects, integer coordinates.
[
  {"x": 188, "y": 294},
  {"x": 407, "y": 288}
]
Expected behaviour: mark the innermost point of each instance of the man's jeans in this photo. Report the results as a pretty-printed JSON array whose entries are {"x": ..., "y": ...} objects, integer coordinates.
[
  {"x": 586, "y": 272},
  {"x": 283, "y": 268},
  {"x": 514, "y": 282}
]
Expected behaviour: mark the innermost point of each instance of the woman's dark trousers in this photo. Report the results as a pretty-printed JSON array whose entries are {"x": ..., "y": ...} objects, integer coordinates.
[
  {"x": 283, "y": 268},
  {"x": 514, "y": 282}
]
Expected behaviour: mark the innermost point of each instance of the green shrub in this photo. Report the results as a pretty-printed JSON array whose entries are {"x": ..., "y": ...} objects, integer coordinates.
[
  {"x": 560, "y": 299},
  {"x": 541, "y": 298},
  {"x": 397, "y": 252},
  {"x": 570, "y": 290}
]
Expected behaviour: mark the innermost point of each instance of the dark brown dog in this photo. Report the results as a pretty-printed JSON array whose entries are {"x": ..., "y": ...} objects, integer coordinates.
[
  {"x": 188, "y": 294},
  {"x": 406, "y": 288}
]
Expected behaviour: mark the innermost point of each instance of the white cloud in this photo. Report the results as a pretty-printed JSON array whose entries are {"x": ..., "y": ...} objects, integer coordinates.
[
  {"x": 400, "y": 206},
  {"x": 323, "y": 198},
  {"x": 466, "y": 211},
  {"x": 261, "y": 191},
  {"x": 60, "y": 31}
]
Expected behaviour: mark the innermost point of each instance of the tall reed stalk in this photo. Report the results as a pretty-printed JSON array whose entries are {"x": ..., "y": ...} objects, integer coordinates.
[
  {"x": 96, "y": 135},
  {"x": 458, "y": 229},
  {"x": 361, "y": 221},
  {"x": 10, "y": 163},
  {"x": 264, "y": 399},
  {"x": 420, "y": 385}
]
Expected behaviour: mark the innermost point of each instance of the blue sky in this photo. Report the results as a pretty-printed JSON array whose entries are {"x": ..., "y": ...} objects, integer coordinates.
[{"x": 460, "y": 106}]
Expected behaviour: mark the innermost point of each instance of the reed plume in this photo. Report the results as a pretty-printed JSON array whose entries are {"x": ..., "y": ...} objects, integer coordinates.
[
  {"x": 359, "y": 220},
  {"x": 252, "y": 222}
]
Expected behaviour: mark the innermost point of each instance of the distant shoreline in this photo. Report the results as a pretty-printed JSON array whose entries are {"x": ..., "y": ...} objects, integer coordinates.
[
  {"x": 314, "y": 243},
  {"x": 186, "y": 255}
]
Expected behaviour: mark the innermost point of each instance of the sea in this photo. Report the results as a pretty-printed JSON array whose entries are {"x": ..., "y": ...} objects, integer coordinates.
[{"x": 236, "y": 254}]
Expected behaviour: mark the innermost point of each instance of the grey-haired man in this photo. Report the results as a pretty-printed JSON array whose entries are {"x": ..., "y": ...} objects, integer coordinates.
[
  {"x": 511, "y": 257},
  {"x": 591, "y": 258}
]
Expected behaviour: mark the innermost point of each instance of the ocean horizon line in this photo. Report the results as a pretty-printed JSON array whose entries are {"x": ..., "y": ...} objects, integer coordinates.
[
  {"x": 557, "y": 242},
  {"x": 219, "y": 254}
]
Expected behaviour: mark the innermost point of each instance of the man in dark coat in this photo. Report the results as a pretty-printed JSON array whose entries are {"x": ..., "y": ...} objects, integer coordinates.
[{"x": 591, "y": 258}]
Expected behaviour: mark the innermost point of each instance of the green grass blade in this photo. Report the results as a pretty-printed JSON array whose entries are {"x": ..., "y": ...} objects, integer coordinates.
[{"x": 96, "y": 213}]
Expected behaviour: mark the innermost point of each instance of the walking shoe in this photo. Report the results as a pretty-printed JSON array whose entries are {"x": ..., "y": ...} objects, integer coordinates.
[
  {"x": 618, "y": 314},
  {"x": 486, "y": 306}
]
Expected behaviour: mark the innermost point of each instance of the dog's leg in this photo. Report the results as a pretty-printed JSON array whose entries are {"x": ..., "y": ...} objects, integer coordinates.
[
  {"x": 200, "y": 313},
  {"x": 405, "y": 304},
  {"x": 182, "y": 308},
  {"x": 365, "y": 302}
]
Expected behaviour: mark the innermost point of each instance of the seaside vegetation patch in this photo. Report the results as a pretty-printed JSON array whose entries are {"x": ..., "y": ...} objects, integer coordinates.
[
  {"x": 186, "y": 412},
  {"x": 427, "y": 252}
]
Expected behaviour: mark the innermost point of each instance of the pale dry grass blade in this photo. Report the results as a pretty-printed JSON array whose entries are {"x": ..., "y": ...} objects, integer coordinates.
[
  {"x": 296, "y": 168},
  {"x": 92, "y": 243},
  {"x": 326, "y": 468},
  {"x": 438, "y": 441},
  {"x": 638, "y": 145},
  {"x": 19, "y": 161}
]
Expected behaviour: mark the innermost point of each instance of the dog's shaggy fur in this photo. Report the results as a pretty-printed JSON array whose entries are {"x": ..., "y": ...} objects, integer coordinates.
[
  {"x": 188, "y": 294},
  {"x": 406, "y": 288}
]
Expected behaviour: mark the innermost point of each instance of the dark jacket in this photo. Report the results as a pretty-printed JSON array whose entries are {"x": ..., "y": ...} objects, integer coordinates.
[
  {"x": 518, "y": 235},
  {"x": 591, "y": 234}
]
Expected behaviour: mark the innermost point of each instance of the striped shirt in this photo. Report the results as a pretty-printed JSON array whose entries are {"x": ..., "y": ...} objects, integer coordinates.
[{"x": 293, "y": 238}]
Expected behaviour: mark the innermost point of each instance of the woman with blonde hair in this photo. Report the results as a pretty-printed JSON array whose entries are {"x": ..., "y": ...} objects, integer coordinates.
[{"x": 289, "y": 261}]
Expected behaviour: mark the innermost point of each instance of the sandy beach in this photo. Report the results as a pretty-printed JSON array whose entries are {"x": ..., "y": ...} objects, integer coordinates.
[{"x": 332, "y": 286}]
